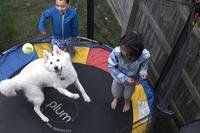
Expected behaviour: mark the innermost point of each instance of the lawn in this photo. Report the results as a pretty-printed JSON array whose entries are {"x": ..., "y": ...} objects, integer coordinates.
[{"x": 19, "y": 21}]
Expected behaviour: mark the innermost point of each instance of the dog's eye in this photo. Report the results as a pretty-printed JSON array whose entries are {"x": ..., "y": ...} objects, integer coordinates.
[
  {"x": 58, "y": 60},
  {"x": 51, "y": 62}
]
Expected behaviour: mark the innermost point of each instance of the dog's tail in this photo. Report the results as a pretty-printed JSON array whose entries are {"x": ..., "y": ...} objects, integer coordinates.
[{"x": 8, "y": 87}]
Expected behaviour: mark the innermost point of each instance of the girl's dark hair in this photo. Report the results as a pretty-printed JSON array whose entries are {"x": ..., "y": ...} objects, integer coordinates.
[
  {"x": 67, "y": 1},
  {"x": 132, "y": 42}
]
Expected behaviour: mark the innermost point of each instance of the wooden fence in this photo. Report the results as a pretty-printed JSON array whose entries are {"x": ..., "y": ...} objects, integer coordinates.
[{"x": 161, "y": 21}]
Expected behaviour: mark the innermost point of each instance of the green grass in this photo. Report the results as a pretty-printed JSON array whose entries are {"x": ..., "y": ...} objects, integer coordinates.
[{"x": 19, "y": 21}]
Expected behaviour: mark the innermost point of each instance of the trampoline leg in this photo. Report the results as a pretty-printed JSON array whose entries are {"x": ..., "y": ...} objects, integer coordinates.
[
  {"x": 67, "y": 93},
  {"x": 81, "y": 89},
  {"x": 40, "y": 114}
]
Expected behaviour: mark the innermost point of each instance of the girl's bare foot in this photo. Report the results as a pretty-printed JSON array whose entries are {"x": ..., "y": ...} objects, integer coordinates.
[
  {"x": 126, "y": 106},
  {"x": 114, "y": 103}
]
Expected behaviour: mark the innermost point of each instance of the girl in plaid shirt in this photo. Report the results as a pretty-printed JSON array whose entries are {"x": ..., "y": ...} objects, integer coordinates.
[{"x": 127, "y": 63}]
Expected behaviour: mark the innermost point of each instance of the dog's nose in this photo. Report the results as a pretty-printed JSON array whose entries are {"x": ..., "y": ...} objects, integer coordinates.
[{"x": 56, "y": 67}]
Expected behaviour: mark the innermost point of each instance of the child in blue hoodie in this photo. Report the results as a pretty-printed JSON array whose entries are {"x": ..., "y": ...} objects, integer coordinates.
[
  {"x": 64, "y": 23},
  {"x": 127, "y": 63}
]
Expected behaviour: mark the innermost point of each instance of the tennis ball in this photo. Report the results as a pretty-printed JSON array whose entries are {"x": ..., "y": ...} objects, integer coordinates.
[{"x": 27, "y": 48}]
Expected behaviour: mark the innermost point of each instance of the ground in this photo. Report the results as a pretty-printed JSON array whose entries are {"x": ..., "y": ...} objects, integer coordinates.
[{"x": 19, "y": 21}]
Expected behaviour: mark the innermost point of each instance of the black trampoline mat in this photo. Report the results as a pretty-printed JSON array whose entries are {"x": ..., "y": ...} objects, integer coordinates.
[
  {"x": 193, "y": 127},
  {"x": 67, "y": 115}
]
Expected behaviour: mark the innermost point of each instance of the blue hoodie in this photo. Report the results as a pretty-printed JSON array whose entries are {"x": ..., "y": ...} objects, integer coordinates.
[{"x": 63, "y": 25}]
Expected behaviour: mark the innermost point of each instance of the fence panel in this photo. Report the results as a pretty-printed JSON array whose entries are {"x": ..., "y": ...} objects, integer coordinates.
[{"x": 161, "y": 22}]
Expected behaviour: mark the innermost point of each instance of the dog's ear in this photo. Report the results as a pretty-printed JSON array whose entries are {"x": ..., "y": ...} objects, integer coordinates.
[
  {"x": 46, "y": 56},
  {"x": 57, "y": 50}
]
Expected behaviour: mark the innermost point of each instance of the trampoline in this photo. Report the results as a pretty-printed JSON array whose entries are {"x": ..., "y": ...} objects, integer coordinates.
[
  {"x": 67, "y": 115},
  {"x": 192, "y": 127}
]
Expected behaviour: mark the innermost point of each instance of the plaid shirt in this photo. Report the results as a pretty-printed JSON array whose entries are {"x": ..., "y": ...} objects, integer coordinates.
[{"x": 121, "y": 69}]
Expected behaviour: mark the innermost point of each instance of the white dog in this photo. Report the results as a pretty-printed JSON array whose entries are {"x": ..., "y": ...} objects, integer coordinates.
[{"x": 54, "y": 70}]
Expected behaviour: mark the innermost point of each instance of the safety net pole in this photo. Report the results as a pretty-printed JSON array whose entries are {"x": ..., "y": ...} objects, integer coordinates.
[{"x": 90, "y": 19}]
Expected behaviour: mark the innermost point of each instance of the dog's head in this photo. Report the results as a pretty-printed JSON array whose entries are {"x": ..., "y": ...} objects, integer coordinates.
[{"x": 57, "y": 60}]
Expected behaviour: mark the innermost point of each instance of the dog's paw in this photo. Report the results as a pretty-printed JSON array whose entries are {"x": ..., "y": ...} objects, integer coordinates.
[
  {"x": 76, "y": 96},
  {"x": 8, "y": 92},
  {"x": 45, "y": 119},
  {"x": 13, "y": 93},
  {"x": 87, "y": 99}
]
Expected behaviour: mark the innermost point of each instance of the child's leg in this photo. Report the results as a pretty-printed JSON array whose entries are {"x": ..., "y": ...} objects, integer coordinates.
[
  {"x": 56, "y": 42},
  {"x": 114, "y": 103},
  {"x": 71, "y": 50},
  {"x": 70, "y": 46},
  {"x": 126, "y": 106},
  {"x": 52, "y": 44},
  {"x": 116, "y": 92},
  {"x": 128, "y": 90}
]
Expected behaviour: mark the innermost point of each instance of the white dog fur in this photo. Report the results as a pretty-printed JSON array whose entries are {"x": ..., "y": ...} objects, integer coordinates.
[{"x": 54, "y": 70}]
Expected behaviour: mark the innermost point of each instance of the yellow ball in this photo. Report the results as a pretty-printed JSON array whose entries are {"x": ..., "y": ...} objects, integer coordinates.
[{"x": 27, "y": 48}]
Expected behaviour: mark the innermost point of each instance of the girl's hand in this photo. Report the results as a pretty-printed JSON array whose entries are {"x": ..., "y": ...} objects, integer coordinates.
[
  {"x": 43, "y": 33},
  {"x": 130, "y": 81}
]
